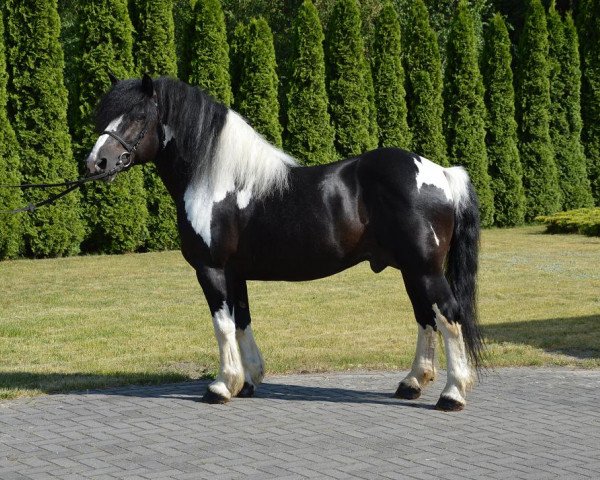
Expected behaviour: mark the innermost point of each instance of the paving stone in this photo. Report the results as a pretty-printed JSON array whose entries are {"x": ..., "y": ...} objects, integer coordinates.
[{"x": 340, "y": 426}]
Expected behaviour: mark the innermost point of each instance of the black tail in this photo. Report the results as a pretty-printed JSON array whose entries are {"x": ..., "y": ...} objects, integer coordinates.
[{"x": 462, "y": 262}]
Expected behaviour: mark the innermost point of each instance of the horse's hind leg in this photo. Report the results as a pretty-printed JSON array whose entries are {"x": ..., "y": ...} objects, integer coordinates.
[
  {"x": 423, "y": 367},
  {"x": 434, "y": 304},
  {"x": 422, "y": 371},
  {"x": 460, "y": 375}
]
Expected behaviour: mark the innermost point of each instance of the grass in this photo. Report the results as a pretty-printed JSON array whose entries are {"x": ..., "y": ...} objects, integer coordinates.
[{"x": 97, "y": 321}]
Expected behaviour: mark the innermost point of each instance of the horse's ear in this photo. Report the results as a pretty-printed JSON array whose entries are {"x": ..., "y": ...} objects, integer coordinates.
[
  {"x": 147, "y": 86},
  {"x": 113, "y": 79}
]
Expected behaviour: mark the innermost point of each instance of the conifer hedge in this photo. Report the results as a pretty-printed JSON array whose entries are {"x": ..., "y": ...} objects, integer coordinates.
[
  {"x": 540, "y": 176},
  {"x": 209, "y": 51},
  {"x": 503, "y": 154},
  {"x": 116, "y": 213},
  {"x": 465, "y": 109},
  {"x": 348, "y": 82},
  {"x": 424, "y": 86},
  {"x": 388, "y": 79},
  {"x": 155, "y": 55},
  {"x": 309, "y": 131},
  {"x": 256, "y": 95},
  {"x": 154, "y": 37},
  {"x": 565, "y": 113},
  {"x": 37, "y": 100},
  {"x": 10, "y": 225},
  {"x": 590, "y": 89}
]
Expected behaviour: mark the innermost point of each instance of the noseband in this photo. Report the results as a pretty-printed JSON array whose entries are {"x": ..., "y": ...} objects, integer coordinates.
[{"x": 125, "y": 160}]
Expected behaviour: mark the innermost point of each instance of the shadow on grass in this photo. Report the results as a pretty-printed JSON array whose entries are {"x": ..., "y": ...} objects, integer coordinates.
[{"x": 578, "y": 337}]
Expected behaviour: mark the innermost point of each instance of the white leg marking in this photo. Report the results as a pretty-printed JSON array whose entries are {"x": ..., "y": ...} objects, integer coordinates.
[
  {"x": 460, "y": 375},
  {"x": 251, "y": 358},
  {"x": 231, "y": 374},
  {"x": 423, "y": 367}
]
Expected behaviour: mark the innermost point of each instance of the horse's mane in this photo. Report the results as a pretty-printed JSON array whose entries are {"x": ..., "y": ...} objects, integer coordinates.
[{"x": 213, "y": 142}]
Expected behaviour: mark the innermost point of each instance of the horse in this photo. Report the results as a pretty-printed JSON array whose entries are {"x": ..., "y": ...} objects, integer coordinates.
[{"x": 248, "y": 211}]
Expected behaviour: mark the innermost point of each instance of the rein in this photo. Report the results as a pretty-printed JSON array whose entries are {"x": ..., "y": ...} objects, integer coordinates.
[
  {"x": 71, "y": 185},
  {"x": 124, "y": 162}
]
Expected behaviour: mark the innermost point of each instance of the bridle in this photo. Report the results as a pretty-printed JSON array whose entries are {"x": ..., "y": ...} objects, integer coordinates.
[{"x": 124, "y": 162}]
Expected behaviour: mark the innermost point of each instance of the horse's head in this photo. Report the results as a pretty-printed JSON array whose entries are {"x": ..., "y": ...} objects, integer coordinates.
[{"x": 128, "y": 121}]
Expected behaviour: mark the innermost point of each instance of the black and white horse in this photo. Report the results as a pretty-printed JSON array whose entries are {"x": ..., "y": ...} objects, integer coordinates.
[{"x": 247, "y": 211}]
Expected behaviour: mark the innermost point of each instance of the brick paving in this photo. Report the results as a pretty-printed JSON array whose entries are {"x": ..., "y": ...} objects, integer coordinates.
[{"x": 519, "y": 423}]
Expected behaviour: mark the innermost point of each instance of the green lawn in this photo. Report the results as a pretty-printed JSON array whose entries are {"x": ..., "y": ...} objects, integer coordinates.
[{"x": 85, "y": 322}]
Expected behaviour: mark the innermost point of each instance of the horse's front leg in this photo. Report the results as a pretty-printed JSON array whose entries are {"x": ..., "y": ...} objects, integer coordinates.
[
  {"x": 219, "y": 289},
  {"x": 251, "y": 358}
]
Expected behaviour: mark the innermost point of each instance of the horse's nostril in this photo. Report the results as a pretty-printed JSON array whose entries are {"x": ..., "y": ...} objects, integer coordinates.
[{"x": 101, "y": 164}]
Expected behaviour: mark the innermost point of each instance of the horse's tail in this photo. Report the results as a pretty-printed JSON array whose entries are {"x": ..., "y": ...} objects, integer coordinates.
[{"x": 461, "y": 267}]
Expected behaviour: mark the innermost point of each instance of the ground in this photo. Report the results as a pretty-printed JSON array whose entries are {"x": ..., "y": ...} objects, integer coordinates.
[{"x": 525, "y": 423}]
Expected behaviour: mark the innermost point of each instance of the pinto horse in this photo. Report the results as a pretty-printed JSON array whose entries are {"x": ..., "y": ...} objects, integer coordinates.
[{"x": 247, "y": 211}]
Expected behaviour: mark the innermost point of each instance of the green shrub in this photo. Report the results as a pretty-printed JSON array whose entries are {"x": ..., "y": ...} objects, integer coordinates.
[
  {"x": 155, "y": 55},
  {"x": 388, "y": 79},
  {"x": 10, "y": 198},
  {"x": 582, "y": 220},
  {"x": 465, "y": 110},
  {"x": 116, "y": 214},
  {"x": 309, "y": 131},
  {"x": 424, "y": 86},
  {"x": 540, "y": 175},
  {"x": 565, "y": 112},
  {"x": 256, "y": 93},
  {"x": 504, "y": 163},
  {"x": 37, "y": 108},
  {"x": 349, "y": 82},
  {"x": 209, "y": 51}
]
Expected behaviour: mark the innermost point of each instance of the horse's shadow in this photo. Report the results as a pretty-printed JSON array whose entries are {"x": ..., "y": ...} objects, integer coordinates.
[{"x": 193, "y": 390}]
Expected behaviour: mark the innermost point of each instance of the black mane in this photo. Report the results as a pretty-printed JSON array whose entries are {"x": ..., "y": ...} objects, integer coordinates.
[{"x": 194, "y": 117}]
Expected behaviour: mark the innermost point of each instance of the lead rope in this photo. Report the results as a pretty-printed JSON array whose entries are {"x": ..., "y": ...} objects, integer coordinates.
[{"x": 70, "y": 184}]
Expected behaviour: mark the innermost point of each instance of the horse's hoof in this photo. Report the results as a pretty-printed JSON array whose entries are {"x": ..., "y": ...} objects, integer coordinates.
[
  {"x": 406, "y": 392},
  {"x": 246, "y": 391},
  {"x": 213, "y": 398},
  {"x": 447, "y": 404}
]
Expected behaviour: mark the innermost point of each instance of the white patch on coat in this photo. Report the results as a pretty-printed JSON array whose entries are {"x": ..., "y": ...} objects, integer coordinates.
[
  {"x": 252, "y": 360},
  {"x": 231, "y": 372},
  {"x": 458, "y": 179},
  {"x": 430, "y": 173},
  {"x": 460, "y": 375},
  {"x": 112, "y": 127},
  {"x": 243, "y": 198},
  {"x": 423, "y": 367},
  {"x": 243, "y": 162},
  {"x": 435, "y": 237},
  {"x": 168, "y": 135}
]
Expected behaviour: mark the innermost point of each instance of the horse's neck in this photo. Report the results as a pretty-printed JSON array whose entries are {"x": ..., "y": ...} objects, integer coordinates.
[{"x": 242, "y": 160}]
